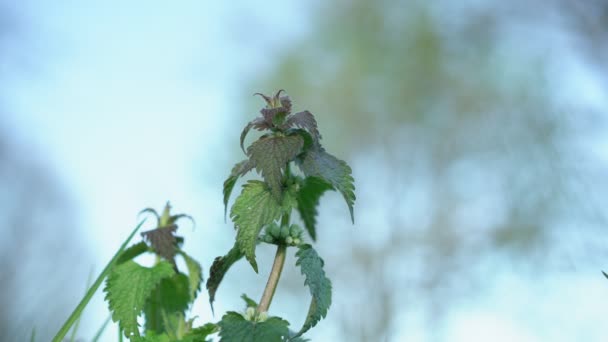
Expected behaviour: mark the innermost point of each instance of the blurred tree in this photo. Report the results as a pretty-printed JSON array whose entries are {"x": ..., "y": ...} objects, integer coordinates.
[
  {"x": 39, "y": 249},
  {"x": 462, "y": 149}
]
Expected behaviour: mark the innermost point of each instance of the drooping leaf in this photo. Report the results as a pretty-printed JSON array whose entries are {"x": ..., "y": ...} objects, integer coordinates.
[
  {"x": 235, "y": 328},
  {"x": 271, "y": 155},
  {"x": 195, "y": 274},
  {"x": 249, "y": 302},
  {"x": 303, "y": 120},
  {"x": 132, "y": 252},
  {"x": 220, "y": 266},
  {"x": 308, "y": 198},
  {"x": 318, "y": 163},
  {"x": 163, "y": 241},
  {"x": 200, "y": 334},
  {"x": 167, "y": 304},
  {"x": 128, "y": 287},
  {"x": 252, "y": 210},
  {"x": 257, "y": 123},
  {"x": 238, "y": 170},
  {"x": 311, "y": 266}
]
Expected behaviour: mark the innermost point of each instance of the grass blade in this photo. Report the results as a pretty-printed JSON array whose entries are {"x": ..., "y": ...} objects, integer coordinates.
[{"x": 87, "y": 297}]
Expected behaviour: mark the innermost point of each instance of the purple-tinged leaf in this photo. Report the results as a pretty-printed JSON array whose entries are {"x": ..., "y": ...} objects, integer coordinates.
[
  {"x": 163, "y": 241},
  {"x": 303, "y": 120}
]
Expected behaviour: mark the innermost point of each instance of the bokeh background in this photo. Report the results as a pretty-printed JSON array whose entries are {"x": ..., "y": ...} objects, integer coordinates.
[{"x": 476, "y": 131}]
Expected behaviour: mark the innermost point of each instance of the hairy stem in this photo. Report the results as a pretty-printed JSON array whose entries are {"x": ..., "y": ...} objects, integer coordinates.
[{"x": 273, "y": 278}]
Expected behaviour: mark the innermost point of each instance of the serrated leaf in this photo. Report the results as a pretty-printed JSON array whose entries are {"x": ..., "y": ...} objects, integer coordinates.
[
  {"x": 304, "y": 120},
  {"x": 167, "y": 301},
  {"x": 195, "y": 274},
  {"x": 219, "y": 268},
  {"x": 311, "y": 190},
  {"x": 311, "y": 266},
  {"x": 257, "y": 123},
  {"x": 238, "y": 170},
  {"x": 271, "y": 155},
  {"x": 318, "y": 163},
  {"x": 163, "y": 241},
  {"x": 132, "y": 252},
  {"x": 128, "y": 287},
  {"x": 249, "y": 302},
  {"x": 235, "y": 328},
  {"x": 200, "y": 334},
  {"x": 252, "y": 210}
]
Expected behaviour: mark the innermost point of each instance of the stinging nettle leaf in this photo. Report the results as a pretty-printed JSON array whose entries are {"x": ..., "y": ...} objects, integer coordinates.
[
  {"x": 318, "y": 163},
  {"x": 195, "y": 274},
  {"x": 311, "y": 190},
  {"x": 271, "y": 155},
  {"x": 258, "y": 123},
  {"x": 253, "y": 209},
  {"x": 238, "y": 170},
  {"x": 163, "y": 241},
  {"x": 250, "y": 303},
  {"x": 303, "y": 120},
  {"x": 311, "y": 266},
  {"x": 128, "y": 287},
  {"x": 235, "y": 328},
  {"x": 167, "y": 304},
  {"x": 220, "y": 267}
]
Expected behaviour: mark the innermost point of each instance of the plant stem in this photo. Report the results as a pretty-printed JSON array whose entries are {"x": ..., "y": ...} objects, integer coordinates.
[
  {"x": 279, "y": 259},
  {"x": 273, "y": 278}
]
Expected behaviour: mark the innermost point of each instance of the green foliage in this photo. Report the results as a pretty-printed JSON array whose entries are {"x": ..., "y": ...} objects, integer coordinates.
[
  {"x": 253, "y": 209},
  {"x": 166, "y": 305},
  {"x": 235, "y": 328},
  {"x": 605, "y": 275},
  {"x": 163, "y": 294},
  {"x": 318, "y": 163},
  {"x": 127, "y": 289},
  {"x": 201, "y": 333},
  {"x": 195, "y": 274},
  {"x": 218, "y": 269},
  {"x": 270, "y": 155},
  {"x": 249, "y": 302},
  {"x": 311, "y": 190},
  {"x": 311, "y": 266}
]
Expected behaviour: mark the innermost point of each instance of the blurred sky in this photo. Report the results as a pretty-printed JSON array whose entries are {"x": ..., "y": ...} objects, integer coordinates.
[{"x": 131, "y": 103}]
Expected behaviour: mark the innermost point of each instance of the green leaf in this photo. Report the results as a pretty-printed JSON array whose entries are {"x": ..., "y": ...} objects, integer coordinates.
[
  {"x": 605, "y": 275},
  {"x": 167, "y": 304},
  {"x": 152, "y": 337},
  {"x": 200, "y": 334},
  {"x": 257, "y": 123},
  {"x": 311, "y": 190},
  {"x": 132, "y": 252},
  {"x": 303, "y": 120},
  {"x": 195, "y": 274},
  {"x": 318, "y": 163},
  {"x": 311, "y": 266},
  {"x": 65, "y": 328},
  {"x": 270, "y": 156},
  {"x": 163, "y": 241},
  {"x": 249, "y": 302},
  {"x": 237, "y": 171},
  {"x": 235, "y": 328},
  {"x": 219, "y": 268},
  {"x": 252, "y": 210},
  {"x": 127, "y": 289}
]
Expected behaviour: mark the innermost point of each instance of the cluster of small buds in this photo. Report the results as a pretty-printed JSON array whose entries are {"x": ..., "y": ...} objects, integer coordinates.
[
  {"x": 252, "y": 315},
  {"x": 287, "y": 235}
]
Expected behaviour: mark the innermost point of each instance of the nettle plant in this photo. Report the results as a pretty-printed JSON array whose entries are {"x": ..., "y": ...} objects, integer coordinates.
[{"x": 296, "y": 171}]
